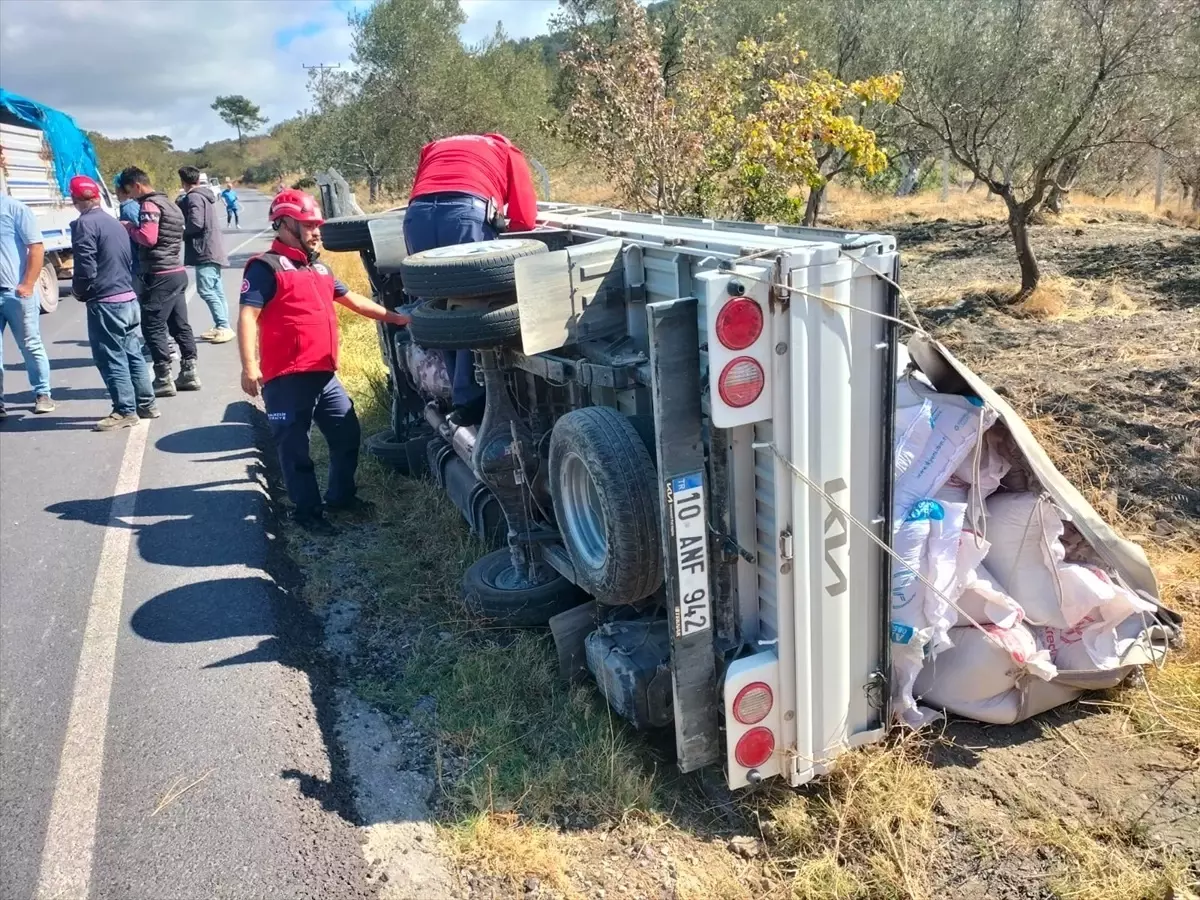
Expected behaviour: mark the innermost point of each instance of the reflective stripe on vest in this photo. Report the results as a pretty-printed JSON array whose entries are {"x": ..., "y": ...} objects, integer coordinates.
[{"x": 297, "y": 328}]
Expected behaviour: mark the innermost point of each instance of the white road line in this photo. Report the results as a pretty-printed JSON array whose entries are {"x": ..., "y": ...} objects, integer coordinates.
[
  {"x": 248, "y": 240},
  {"x": 71, "y": 833}
]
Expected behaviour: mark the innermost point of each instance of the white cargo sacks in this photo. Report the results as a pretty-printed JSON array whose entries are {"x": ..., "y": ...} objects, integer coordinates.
[
  {"x": 997, "y": 611},
  {"x": 982, "y": 674}
]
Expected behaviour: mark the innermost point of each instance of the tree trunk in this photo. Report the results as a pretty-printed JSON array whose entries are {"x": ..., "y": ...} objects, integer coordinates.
[
  {"x": 912, "y": 175},
  {"x": 1068, "y": 173},
  {"x": 372, "y": 187},
  {"x": 812, "y": 208},
  {"x": 1018, "y": 225},
  {"x": 238, "y": 126}
]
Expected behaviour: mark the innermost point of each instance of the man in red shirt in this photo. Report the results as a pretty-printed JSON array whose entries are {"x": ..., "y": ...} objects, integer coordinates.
[
  {"x": 288, "y": 338},
  {"x": 468, "y": 188}
]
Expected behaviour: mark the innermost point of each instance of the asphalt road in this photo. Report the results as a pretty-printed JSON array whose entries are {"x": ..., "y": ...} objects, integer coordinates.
[{"x": 164, "y": 732}]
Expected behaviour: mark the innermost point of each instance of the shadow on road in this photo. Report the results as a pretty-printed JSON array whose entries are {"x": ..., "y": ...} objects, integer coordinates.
[
  {"x": 231, "y": 522},
  {"x": 61, "y": 394},
  {"x": 75, "y": 362},
  {"x": 49, "y": 422}
]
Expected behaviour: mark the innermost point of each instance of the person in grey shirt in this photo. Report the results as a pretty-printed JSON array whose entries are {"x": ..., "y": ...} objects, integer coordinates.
[
  {"x": 21, "y": 256},
  {"x": 204, "y": 249}
]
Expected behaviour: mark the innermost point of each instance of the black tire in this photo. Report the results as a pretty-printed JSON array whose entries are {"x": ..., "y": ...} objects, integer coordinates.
[
  {"x": 386, "y": 448},
  {"x": 348, "y": 233},
  {"x": 48, "y": 290},
  {"x": 485, "y": 595},
  {"x": 606, "y": 446},
  {"x": 480, "y": 269},
  {"x": 434, "y": 327}
]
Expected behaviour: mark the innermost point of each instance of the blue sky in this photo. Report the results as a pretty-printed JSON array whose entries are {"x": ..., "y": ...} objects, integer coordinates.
[{"x": 50, "y": 50}]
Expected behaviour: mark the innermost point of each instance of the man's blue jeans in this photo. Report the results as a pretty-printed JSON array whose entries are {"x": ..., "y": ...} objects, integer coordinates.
[
  {"x": 21, "y": 314},
  {"x": 439, "y": 221},
  {"x": 212, "y": 292},
  {"x": 115, "y": 333}
]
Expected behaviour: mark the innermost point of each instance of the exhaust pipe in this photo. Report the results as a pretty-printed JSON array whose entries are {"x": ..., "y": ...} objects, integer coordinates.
[{"x": 460, "y": 437}]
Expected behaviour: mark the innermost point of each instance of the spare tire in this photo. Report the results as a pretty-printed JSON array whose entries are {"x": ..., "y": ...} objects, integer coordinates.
[
  {"x": 605, "y": 491},
  {"x": 480, "y": 269},
  {"x": 348, "y": 233},
  {"x": 492, "y": 589},
  {"x": 434, "y": 327}
]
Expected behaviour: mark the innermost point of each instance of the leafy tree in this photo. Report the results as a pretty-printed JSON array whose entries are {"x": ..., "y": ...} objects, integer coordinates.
[
  {"x": 1022, "y": 92},
  {"x": 734, "y": 133},
  {"x": 239, "y": 113}
]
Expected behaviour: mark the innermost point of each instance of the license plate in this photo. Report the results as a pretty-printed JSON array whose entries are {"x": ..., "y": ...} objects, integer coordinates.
[{"x": 689, "y": 525}]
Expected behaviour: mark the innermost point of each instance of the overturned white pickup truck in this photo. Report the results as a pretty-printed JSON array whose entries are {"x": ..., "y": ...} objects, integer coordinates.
[{"x": 742, "y": 506}]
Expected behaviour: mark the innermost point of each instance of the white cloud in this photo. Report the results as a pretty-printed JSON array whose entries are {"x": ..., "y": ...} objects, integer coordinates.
[
  {"x": 140, "y": 67},
  {"x": 521, "y": 18}
]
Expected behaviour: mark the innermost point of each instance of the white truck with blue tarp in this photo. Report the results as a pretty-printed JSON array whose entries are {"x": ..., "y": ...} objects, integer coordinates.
[{"x": 41, "y": 150}]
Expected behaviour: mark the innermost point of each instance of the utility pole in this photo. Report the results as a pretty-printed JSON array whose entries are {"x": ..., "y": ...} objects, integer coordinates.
[
  {"x": 945, "y": 174},
  {"x": 322, "y": 68}
]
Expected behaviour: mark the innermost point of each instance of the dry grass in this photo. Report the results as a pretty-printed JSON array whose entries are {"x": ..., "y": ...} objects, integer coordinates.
[
  {"x": 1102, "y": 860},
  {"x": 865, "y": 831},
  {"x": 500, "y": 845},
  {"x": 851, "y": 207},
  {"x": 1065, "y": 299},
  {"x": 1056, "y": 298}
]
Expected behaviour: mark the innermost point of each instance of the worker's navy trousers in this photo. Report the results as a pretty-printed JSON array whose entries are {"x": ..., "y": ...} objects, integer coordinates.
[
  {"x": 439, "y": 220},
  {"x": 294, "y": 402}
]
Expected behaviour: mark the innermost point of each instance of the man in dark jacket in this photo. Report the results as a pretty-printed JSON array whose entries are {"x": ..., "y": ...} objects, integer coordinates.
[
  {"x": 162, "y": 282},
  {"x": 103, "y": 280},
  {"x": 204, "y": 249}
]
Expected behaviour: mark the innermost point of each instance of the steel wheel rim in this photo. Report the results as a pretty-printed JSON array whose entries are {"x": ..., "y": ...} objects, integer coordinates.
[
  {"x": 508, "y": 579},
  {"x": 582, "y": 518},
  {"x": 48, "y": 287}
]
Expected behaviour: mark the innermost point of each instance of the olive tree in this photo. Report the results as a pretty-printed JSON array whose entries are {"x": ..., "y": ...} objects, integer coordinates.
[
  {"x": 1022, "y": 92},
  {"x": 722, "y": 130}
]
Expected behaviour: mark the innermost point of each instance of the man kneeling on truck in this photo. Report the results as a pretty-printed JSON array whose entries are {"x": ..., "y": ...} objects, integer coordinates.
[
  {"x": 288, "y": 338},
  {"x": 468, "y": 188}
]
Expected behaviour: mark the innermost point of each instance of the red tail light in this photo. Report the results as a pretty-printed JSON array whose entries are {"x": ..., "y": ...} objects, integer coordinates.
[
  {"x": 754, "y": 748},
  {"x": 741, "y": 382},
  {"x": 752, "y": 703},
  {"x": 739, "y": 323}
]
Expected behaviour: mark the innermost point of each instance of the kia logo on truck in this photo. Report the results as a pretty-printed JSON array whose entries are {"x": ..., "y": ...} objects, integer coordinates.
[{"x": 836, "y": 540}]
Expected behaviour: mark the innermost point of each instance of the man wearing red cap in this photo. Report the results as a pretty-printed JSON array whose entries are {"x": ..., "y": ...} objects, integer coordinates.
[
  {"x": 468, "y": 188},
  {"x": 288, "y": 338},
  {"x": 103, "y": 279}
]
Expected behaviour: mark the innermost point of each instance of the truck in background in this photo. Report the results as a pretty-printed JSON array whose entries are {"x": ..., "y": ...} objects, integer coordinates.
[{"x": 41, "y": 150}]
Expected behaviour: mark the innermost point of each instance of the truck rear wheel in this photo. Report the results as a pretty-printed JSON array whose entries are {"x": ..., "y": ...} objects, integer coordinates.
[
  {"x": 605, "y": 492},
  {"x": 47, "y": 286},
  {"x": 493, "y": 589},
  {"x": 461, "y": 271}
]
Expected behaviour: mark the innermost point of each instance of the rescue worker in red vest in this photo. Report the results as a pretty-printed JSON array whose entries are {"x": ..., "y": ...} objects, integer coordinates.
[
  {"x": 468, "y": 188},
  {"x": 288, "y": 338}
]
